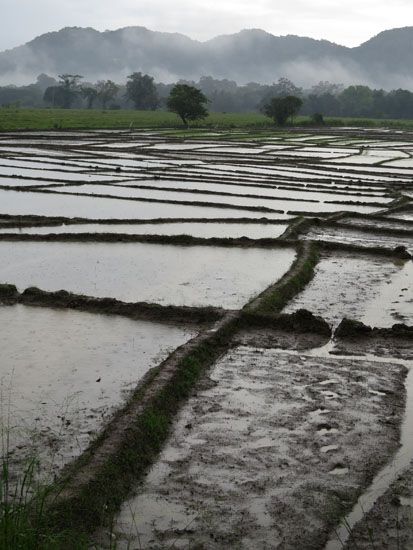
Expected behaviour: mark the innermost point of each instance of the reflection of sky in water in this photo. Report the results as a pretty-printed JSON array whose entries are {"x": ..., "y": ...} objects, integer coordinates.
[{"x": 135, "y": 272}]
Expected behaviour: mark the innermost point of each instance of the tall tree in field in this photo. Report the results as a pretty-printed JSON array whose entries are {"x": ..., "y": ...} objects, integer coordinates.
[
  {"x": 280, "y": 109},
  {"x": 187, "y": 102},
  {"x": 90, "y": 94},
  {"x": 141, "y": 90},
  {"x": 69, "y": 89},
  {"x": 106, "y": 91}
]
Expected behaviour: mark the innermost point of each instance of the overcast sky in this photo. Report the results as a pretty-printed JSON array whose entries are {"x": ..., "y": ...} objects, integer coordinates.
[{"x": 347, "y": 22}]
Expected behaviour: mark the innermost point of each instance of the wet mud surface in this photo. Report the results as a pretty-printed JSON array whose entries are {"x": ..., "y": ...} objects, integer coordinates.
[{"x": 272, "y": 446}]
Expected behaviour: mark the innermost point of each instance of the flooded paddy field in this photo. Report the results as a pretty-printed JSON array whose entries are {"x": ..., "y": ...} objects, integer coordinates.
[
  {"x": 58, "y": 204},
  {"x": 64, "y": 373},
  {"x": 195, "y": 229},
  {"x": 261, "y": 427},
  {"x": 377, "y": 291},
  {"x": 137, "y": 272}
]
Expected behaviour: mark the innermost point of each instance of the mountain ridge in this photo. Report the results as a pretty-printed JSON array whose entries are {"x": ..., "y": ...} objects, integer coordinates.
[{"x": 248, "y": 55}]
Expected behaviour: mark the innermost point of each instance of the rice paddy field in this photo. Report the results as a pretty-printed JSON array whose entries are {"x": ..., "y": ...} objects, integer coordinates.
[{"x": 207, "y": 336}]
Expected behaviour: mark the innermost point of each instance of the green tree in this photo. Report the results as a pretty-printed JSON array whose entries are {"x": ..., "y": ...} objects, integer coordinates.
[
  {"x": 280, "y": 109},
  {"x": 357, "y": 101},
  {"x": 90, "y": 94},
  {"x": 285, "y": 87},
  {"x": 187, "y": 102},
  {"x": 69, "y": 89},
  {"x": 106, "y": 91},
  {"x": 141, "y": 90}
]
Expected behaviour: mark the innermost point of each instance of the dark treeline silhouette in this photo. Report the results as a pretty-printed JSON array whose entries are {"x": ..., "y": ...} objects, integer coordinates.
[{"x": 141, "y": 92}]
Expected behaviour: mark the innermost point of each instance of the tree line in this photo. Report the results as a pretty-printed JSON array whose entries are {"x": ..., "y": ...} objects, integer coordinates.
[{"x": 140, "y": 91}]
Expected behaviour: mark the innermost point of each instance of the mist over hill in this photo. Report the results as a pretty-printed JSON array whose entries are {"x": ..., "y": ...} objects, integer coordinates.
[{"x": 385, "y": 61}]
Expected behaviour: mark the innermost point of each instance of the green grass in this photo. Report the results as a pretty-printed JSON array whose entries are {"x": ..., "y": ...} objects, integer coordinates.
[
  {"x": 287, "y": 289},
  {"x": 49, "y": 119},
  {"x": 23, "y": 512}
]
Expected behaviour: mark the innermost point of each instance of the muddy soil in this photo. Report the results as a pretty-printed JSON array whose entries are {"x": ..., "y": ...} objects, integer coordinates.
[{"x": 273, "y": 445}]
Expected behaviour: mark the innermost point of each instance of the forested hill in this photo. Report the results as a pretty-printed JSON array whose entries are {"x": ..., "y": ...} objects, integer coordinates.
[{"x": 250, "y": 55}]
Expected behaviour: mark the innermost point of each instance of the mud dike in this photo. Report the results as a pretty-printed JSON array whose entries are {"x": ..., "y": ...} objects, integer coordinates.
[{"x": 208, "y": 340}]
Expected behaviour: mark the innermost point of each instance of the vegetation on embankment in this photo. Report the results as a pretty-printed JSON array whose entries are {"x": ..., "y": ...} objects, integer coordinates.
[
  {"x": 272, "y": 300},
  {"x": 88, "y": 119}
]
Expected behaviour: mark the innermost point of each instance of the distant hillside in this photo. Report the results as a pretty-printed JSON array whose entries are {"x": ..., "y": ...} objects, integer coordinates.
[{"x": 250, "y": 55}]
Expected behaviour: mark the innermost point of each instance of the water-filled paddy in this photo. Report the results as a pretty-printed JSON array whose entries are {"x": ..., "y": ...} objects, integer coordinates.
[
  {"x": 136, "y": 272},
  {"x": 58, "y": 204},
  {"x": 65, "y": 372},
  {"x": 54, "y": 175},
  {"x": 204, "y": 230},
  {"x": 365, "y": 288}
]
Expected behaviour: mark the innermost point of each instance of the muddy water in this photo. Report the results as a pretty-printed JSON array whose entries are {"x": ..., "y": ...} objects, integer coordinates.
[
  {"x": 58, "y": 204},
  {"x": 41, "y": 165},
  {"x": 365, "y": 288},
  {"x": 63, "y": 373},
  {"x": 204, "y": 230},
  {"x": 54, "y": 175},
  {"x": 256, "y": 457},
  {"x": 135, "y": 272}
]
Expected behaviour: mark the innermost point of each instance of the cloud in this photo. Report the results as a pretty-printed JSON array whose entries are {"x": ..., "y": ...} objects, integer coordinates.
[{"x": 348, "y": 23}]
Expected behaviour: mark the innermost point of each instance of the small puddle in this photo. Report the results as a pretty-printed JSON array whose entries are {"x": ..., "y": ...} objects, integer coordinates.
[
  {"x": 329, "y": 448},
  {"x": 375, "y": 392},
  {"x": 327, "y": 431},
  {"x": 328, "y": 382},
  {"x": 330, "y": 394},
  {"x": 383, "y": 479},
  {"x": 339, "y": 471},
  {"x": 406, "y": 501}
]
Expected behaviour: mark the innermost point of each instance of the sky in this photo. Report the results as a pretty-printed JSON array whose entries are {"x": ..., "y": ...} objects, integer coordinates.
[{"x": 348, "y": 22}]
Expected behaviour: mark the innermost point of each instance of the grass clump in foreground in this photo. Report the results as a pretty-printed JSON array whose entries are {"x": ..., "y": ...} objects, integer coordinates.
[
  {"x": 89, "y": 119},
  {"x": 23, "y": 513}
]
